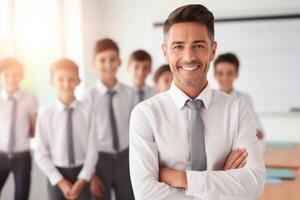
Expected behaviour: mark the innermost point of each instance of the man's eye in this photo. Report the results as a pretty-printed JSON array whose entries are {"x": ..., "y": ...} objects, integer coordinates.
[
  {"x": 178, "y": 47},
  {"x": 198, "y": 46}
]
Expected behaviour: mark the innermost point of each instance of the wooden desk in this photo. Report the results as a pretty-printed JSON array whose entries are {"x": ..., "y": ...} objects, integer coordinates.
[
  {"x": 283, "y": 157},
  {"x": 286, "y": 190}
]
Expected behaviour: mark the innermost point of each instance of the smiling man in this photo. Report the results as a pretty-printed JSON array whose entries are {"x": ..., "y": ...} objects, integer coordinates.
[{"x": 192, "y": 142}]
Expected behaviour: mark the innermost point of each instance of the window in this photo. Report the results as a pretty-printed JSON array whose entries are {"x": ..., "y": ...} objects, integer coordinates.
[{"x": 39, "y": 32}]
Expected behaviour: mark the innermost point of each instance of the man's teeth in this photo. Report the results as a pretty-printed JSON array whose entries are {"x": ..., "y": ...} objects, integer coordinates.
[{"x": 189, "y": 68}]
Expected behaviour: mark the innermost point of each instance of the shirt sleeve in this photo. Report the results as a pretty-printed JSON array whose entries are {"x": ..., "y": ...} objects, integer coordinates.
[
  {"x": 243, "y": 183},
  {"x": 144, "y": 163},
  {"x": 42, "y": 152},
  {"x": 91, "y": 156},
  {"x": 250, "y": 101}
]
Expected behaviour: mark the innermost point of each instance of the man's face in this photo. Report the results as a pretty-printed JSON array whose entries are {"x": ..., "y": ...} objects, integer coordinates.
[
  {"x": 164, "y": 82},
  {"x": 189, "y": 50},
  {"x": 225, "y": 74},
  {"x": 139, "y": 71},
  {"x": 11, "y": 78},
  {"x": 107, "y": 64},
  {"x": 65, "y": 82}
]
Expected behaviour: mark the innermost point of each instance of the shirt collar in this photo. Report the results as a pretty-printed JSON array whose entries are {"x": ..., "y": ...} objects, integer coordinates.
[
  {"x": 104, "y": 89},
  {"x": 180, "y": 98},
  {"x": 62, "y": 106},
  {"x": 233, "y": 92},
  {"x": 5, "y": 95}
]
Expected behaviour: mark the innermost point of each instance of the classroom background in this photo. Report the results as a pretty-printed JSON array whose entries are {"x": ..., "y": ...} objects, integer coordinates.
[{"x": 39, "y": 32}]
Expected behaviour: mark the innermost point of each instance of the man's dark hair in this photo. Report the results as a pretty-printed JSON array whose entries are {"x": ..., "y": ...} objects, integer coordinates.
[
  {"x": 160, "y": 71},
  {"x": 228, "y": 58},
  {"x": 191, "y": 13},
  {"x": 140, "y": 55}
]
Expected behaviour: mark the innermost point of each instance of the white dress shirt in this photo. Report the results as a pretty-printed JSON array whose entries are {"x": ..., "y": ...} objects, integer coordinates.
[
  {"x": 51, "y": 143},
  {"x": 159, "y": 136},
  {"x": 148, "y": 93},
  {"x": 248, "y": 99},
  {"x": 26, "y": 108},
  {"x": 98, "y": 100}
]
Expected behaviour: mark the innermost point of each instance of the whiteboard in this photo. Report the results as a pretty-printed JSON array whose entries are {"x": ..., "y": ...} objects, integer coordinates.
[{"x": 269, "y": 53}]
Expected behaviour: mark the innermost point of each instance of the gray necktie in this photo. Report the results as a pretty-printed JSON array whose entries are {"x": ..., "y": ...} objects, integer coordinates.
[
  {"x": 198, "y": 154},
  {"x": 113, "y": 122},
  {"x": 12, "y": 134},
  {"x": 70, "y": 136},
  {"x": 141, "y": 94}
]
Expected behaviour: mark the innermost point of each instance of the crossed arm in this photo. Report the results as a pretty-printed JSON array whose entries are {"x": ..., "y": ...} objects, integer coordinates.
[
  {"x": 178, "y": 178},
  {"x": 239, "y": 179}
]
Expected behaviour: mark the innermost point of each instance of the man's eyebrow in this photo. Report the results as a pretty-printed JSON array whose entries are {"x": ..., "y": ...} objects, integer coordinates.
[
  {"x": 196, "y": 41},
  {"x": 200, "y": 41},
  {"x": 177, "y": 42}
]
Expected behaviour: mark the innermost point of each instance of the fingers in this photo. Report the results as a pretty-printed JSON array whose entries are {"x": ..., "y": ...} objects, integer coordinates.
[
  {"x": 76, "y": 189},
  {"x": 236, "y": 157},
  {"x": 66, "y": 194},
  {"x": 242, "y": 164},
  {"x": 239, "y": 160},
  {"x": 73, "y": 193},
  {"x": 231, "y": 158},
  {"x": 100, "y": 183},
  {"x": 97, "y": 192},
  {"x": 97, "y": 187},
  {"x": 68, "y": 190},
  {"x": 259, "y": 134}
]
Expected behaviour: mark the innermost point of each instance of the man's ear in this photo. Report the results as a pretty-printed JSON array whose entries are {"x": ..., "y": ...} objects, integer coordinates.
[
  {"x": 165, "y": 53},
  {"x": 213, "y": 50}
]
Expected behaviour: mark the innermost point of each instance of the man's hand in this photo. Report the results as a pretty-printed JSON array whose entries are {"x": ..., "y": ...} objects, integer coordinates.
[
  {"x": 259, "y": 134},
  {"x": 76, "y": 189},
  {"x": 236, "y": 159},
  {"x": 65, "y": 187},
  {"x": 97, "y": 187},
  {"x": 174, "y": 178}
]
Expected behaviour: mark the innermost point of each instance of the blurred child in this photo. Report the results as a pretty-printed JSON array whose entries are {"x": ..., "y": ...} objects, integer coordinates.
[
  {"x": 17, "y": 121},
  {"x": 163, "y": 78},
  {"x": 112, "y": 102},
  {"x": 66, "y": 150},
  {"x": 226, "y": 73},
  {"x": 139, "y": 66}
]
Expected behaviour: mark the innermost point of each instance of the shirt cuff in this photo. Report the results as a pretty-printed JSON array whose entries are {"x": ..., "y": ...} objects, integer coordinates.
[
  {"x": 86, "y": 174},
  {"x": 196, "y": 183},
  {"x": 55, "y": 177}
]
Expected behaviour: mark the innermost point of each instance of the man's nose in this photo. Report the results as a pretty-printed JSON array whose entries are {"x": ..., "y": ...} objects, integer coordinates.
[{"x": 189, "y": 55}]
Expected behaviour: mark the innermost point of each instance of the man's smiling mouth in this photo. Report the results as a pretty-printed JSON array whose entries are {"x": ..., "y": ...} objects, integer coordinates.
[{"x": 189, "y": 68}]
